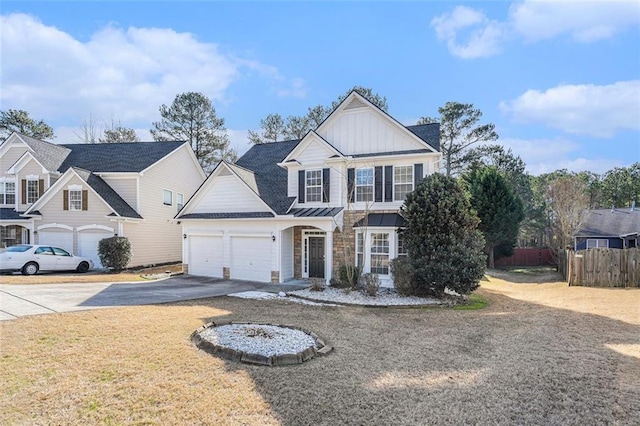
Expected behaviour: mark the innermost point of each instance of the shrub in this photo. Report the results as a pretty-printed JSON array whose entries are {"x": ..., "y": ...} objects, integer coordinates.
[
  {"x": 370, "y": 284},
  {"x": 349, "y": 276},
  {"x": 335, "y": 282},
  {"x": 114, "y": 253},
  {"x": 403, "y": 276},
  {"x": 317, "y": 284},
  {"x": 444, "y": 245}
]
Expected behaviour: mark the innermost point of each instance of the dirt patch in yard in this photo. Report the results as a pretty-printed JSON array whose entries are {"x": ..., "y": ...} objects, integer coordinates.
[{"x": 537, "y": 354}]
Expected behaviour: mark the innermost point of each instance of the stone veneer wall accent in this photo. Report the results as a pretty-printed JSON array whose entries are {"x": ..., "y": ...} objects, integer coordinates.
[
  {"x": 344, "y": 243},
  {"x": 185, "y": 268},
  {"x": 226, "y": 272},
  {"x": 275, "y": 277}
]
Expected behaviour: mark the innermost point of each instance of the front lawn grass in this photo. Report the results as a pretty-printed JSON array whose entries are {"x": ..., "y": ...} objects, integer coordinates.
[{"x": 536, "y": 354}]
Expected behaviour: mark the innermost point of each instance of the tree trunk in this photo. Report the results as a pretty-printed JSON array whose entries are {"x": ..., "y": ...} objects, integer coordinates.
[{"x": 492, "y": 264}]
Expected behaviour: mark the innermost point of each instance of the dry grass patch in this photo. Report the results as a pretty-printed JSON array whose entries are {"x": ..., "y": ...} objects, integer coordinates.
[
  {"x": 537, "y": 354},
  {"x": 120, "y": 366}
]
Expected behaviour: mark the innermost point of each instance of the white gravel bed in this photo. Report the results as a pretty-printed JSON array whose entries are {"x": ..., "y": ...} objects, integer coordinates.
[
  {"x": 266, "y": 340},
  {"x": 263, "y": 295},
  {"x": 385, "y": 297}
]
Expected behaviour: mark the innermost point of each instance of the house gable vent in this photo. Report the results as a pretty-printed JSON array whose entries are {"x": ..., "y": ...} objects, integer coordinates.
[
  {"x": 225, "y": 172},
  {"x": 356, "y": 103}
]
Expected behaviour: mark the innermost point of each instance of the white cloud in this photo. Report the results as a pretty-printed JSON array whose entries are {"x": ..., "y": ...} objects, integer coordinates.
[
  {"x": 121, "y": 73},
  {"x": 483, "y": 38},
  {"x": 584, "y": 21},
  {"x": 547, "y": 155},
  {"x": 599, "y": 111},
  {"x": 532, "y": 21}
]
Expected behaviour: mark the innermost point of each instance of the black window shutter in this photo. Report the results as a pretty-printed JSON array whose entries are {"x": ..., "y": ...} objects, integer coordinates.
[
  {"x": 388, "y": 183},
  {"x": 301, "y": 179},
  {"x": 377, "y": 173},
  {"x": 351, "y": 183},
  {"x": 417, "y": 174},
  {"x": 326, "y": 185}
]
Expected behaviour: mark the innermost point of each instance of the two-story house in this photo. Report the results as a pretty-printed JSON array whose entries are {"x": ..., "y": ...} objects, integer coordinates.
[
  {"x": 74, "y": 195},
  {"x": 298, "y": 209}
]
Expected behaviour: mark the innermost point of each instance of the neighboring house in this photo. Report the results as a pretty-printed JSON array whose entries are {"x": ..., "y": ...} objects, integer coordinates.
[
  {"x": 74, "y": 195},
  {"x": 299, "y": 209},
  {"x": 608, "y": 228}
]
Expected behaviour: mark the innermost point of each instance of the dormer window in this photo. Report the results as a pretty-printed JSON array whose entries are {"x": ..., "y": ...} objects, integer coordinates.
[{"x": 313, "y": 186}]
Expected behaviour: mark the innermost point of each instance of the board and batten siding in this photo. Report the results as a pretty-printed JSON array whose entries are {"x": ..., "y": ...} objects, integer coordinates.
[
  {"x": 125, "y": 186},
  {"x": 315, "y": 153},
  {"x": 229, "y": 194},
  {"x": 364, "y": 131},
  {"x": 157, "y": 238},
  {"x": 96, "y": 214}
]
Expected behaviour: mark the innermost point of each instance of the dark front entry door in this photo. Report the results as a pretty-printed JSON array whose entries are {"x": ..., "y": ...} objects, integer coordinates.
[{"x": 316, "y": 257}]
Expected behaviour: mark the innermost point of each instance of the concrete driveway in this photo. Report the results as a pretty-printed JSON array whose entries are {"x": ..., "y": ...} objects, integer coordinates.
[{"x": 22, "y": 300}]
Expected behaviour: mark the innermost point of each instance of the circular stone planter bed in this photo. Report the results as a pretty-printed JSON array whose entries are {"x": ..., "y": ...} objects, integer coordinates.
[{"x": 262, "y": 344}]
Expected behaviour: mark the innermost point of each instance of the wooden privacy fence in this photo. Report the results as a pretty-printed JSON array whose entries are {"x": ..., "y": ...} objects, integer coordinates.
[
  {"x": 528, "y": 256},
  {"x": 601, "y": 267}
]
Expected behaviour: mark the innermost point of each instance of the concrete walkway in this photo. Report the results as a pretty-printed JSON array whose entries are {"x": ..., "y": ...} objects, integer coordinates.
[{"x": 22, "y": 300}]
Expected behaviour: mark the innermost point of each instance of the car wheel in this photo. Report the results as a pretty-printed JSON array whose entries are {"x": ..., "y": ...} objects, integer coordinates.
[
  {"x": 30, "y": 268},
  {"x": 82, "y": 267}
]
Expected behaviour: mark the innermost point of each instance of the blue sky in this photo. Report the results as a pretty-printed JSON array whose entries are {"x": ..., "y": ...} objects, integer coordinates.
[{"x": 560, "y": 80}]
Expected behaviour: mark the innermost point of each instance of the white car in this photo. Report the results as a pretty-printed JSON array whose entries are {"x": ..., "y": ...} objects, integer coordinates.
[{"x": 29, "y": 259}]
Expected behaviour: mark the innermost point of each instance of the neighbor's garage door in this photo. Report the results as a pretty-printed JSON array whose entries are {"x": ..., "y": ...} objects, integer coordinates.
[
  {"x": 57, "y": 238},
  {"x": 251, "y": 258},
  {"x": 205, "y": 256},
  {"x": 88, "y": 245}
]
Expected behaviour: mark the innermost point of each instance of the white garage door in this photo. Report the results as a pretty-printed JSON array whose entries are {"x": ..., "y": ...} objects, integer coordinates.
[
  {"x": 251, "y": 258},
  {"x": 88, "y": 245},
  {"x": 57, "y": 238},
  {"x": 205, "y": 256}
]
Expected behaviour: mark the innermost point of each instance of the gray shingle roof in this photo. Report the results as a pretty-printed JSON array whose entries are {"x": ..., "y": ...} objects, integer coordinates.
[
  {"x": 608, "y": 223},
  {"x": 48, "y": 154},
  {"x": 271, "y": 179},
  {"x": 117, "y": 157},
  {"x": 430, "y": 133},
  {"x": 232, "y": 215},
  {"x": 108, "y": 194},
  {"x": 7, "y": 213}
]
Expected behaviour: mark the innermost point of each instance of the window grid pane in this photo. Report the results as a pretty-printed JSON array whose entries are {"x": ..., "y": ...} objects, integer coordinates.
[
  {"x": 403, "y": 182},
  {"x": 32, "y": 191},
  {"x": 314, "y": 186},
  {"x": 380, "y": 253},
  {"x": 364, "y": 184},
  {"x": 75, "y": 200},
  {"x": 10, "y": 193}
]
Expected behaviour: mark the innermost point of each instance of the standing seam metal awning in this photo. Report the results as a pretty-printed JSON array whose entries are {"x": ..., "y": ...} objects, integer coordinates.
[{"x": 381, "y": 220}]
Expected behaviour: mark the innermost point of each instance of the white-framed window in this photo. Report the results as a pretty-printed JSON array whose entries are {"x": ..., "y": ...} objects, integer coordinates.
[
  {"x": 402, "y": 182},
  {"x": 7, "y": 192},
  {"x": 400, "y": 248},
  {"x": 313, "y": 186},
  {"x": 167, "y": 197},
  {"x": 179, "y": 201},
  {"x": 380, "y": 253},
  {"x": 364, "y": 184},
  {"x": 597, "y": 243},
  {"x": 32, "y": 191},
  {"x": 360, "y": 249},
  {"x": 75, "y": 199}
]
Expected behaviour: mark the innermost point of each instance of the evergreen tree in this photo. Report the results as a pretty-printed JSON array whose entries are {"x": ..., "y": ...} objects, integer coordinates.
[
  {"x": 499, "y": 209},
  {"x": 17, "y": 120},
  {"x": 444, "y": 245},
  {"x": 192, "y": 117}
]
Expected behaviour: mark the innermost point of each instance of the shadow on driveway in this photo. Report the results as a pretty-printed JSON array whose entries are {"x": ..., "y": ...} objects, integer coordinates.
[{"x": 170, "y": 290}]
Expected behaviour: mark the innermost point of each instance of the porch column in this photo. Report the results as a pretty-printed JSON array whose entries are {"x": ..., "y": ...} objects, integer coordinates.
[{"x": 328, "y": 259}]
